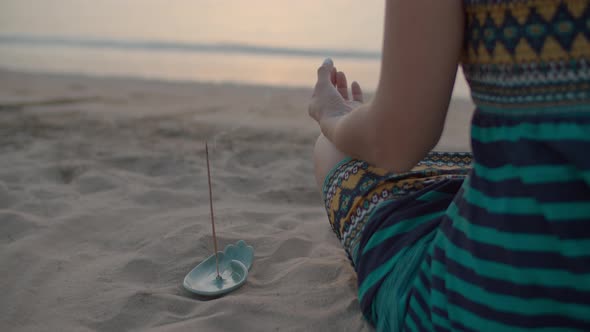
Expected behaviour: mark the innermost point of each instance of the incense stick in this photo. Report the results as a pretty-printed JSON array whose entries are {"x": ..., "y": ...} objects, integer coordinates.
[{"x": 211, "y": 207}]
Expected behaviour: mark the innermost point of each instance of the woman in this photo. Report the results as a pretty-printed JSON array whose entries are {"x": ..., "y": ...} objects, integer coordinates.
[{"x": 441, "y": 242}]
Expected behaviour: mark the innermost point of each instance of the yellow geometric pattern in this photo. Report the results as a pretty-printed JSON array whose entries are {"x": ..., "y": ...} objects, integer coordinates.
[
  {"x": 489, "y": 26},
  {"x": 354, "y": 189}
]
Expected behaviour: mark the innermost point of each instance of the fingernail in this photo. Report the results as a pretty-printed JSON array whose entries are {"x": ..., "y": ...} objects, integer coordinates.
[{"x": 328, "y": 62}]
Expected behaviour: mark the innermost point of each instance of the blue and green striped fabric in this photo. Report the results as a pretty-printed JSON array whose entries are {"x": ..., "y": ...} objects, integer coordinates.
[{"x": 511, "y": 250}]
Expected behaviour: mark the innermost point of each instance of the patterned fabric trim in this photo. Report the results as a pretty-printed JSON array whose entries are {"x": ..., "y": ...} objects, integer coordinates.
[
  {"x": 353, "y": 189},
  {"x": 531, "y": 31},
  {"x": 527, "y": 54}
]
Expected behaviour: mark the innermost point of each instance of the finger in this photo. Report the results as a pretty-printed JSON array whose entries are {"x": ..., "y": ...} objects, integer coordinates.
[
  {"x": 357, "y": 93},
  {"x": 325, "y": 70},
  {"x": 341, "y": 84},
  {"x": 333, "y": 76}
]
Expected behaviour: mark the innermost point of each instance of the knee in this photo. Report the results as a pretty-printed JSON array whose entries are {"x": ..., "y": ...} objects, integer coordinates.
[
  {"x": 317, "y": 149},
  {"x": 318, "y": 162},
  {"x": 325, "y": 156}
]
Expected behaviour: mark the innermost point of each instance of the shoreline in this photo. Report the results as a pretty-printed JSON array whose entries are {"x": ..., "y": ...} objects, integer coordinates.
[{"x": 144, "y": 79}]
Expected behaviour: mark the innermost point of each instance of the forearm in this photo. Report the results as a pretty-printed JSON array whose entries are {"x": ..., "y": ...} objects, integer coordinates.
[
  {"x": 406, "y": 117},
  {"x": 350, "y": 133},
  {"x": 393, "y": 144}
]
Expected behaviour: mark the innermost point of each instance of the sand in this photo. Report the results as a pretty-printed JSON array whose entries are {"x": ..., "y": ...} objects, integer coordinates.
[{"x": 104, "y": 208}]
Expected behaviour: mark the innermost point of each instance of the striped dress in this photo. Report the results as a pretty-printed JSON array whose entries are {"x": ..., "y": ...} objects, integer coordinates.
[
  {"x": 513, "y": 251},
  {"x": 506, "y": 248}
]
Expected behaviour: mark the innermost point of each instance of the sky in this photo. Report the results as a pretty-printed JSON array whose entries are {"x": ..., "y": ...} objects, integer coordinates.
[
  {"x": 342, "y": 24},
  {"x": 325, "y": 24}
]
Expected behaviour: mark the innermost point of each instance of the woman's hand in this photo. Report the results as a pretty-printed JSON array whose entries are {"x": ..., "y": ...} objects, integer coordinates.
[{"x": 330, "y": 97}]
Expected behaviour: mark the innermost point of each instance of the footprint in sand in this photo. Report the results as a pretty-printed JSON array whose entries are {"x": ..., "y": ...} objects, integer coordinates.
[
  {"x": 7, "y": 199},
  {"x": 95, "y": 183},
  {"x": 15, "y": 226},
  {"x": 64, "y": 172},
  {"x": 146, "y": 165}
]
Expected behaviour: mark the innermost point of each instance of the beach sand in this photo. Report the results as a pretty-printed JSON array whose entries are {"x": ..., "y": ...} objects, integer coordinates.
[{"x": 104, "y": 206}]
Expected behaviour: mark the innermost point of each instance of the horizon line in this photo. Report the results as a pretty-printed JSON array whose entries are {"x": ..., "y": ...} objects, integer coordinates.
[{"x": 192, "y": 47}]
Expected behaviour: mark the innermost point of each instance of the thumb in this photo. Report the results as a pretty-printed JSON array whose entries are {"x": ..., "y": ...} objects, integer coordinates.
[{"x": 325, "y": 71}]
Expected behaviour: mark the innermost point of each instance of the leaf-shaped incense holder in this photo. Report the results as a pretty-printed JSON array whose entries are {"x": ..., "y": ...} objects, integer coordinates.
[
  {"x": 240, "y": 252},
  {"x": 234, "y": 263}
]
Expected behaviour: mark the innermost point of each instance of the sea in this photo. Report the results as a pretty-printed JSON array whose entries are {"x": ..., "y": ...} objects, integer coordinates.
[{"x": 262, "y": 42}]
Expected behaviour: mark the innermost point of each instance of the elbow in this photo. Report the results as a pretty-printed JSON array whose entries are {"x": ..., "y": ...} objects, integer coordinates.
[
  {"x": 394, "y": 163},
  {"x": 400, "y": 140},
  {"x": 383, "y": 150},
  {"x": 400, "y": 155},
  {"x": 401, "y": 167}
]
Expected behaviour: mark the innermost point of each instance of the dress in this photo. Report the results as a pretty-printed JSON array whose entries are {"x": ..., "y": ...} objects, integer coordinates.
[{"x": 502, "y": 244}]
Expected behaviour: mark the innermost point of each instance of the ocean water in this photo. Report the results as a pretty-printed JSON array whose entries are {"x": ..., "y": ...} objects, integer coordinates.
[{"x": 270, "y": 42}]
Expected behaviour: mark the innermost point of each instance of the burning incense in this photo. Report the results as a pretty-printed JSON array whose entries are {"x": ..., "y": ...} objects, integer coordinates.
[{"x": 211, "y": 207}]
